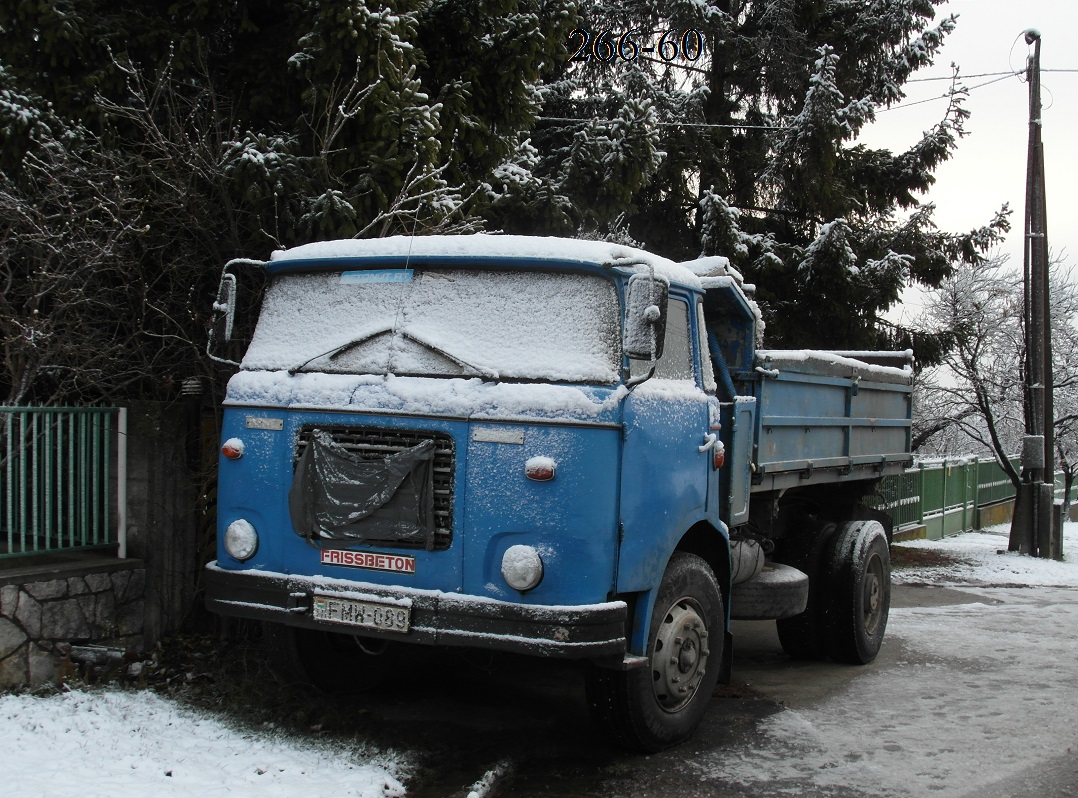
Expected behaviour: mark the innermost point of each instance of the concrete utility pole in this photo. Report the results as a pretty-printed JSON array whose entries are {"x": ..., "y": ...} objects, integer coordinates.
[{"x": 1035, "y": 528}]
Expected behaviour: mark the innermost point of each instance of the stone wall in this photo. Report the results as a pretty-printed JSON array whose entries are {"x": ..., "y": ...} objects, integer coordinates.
[
  {"x": 49, "y": 603},
  {"x": 44, "y": 609}
]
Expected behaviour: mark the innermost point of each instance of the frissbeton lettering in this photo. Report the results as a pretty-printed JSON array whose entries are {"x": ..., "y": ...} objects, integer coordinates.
[{"x": 366, "y": 559}]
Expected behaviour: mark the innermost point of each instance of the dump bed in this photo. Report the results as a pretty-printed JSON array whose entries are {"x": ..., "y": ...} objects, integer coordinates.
[{"x": 825, "y": 416}]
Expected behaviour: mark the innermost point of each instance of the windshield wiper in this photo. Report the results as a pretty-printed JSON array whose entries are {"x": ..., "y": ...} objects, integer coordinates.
[
  {"x": 490, "y": 374},
  {"x": 337, "y": 351}
]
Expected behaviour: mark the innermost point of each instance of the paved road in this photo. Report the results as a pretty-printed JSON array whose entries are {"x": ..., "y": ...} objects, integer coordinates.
[{"x": 974, "y": 694}]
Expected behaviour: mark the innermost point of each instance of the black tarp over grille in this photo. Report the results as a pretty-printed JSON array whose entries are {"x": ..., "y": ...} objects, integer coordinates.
[{"x": 338, "y": 495}]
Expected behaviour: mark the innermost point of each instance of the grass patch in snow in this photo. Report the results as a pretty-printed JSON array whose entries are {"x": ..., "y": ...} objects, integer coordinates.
[
  {"x": 982, "y": 559},
  {"x": 905, "y": 557}
]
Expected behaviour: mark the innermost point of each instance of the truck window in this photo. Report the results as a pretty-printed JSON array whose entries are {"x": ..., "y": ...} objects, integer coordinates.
[
  {"x": 708, "y": 370},
  {"x": 510, "y": 324},
  {"x": 676, "y": 362}
]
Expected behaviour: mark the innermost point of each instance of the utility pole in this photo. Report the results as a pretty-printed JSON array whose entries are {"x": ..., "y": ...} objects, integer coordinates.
[{"x": 1034, "y": 529}]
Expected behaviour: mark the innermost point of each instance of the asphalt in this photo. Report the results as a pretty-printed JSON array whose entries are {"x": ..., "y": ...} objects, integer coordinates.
[{"x": 526, "y": 721}]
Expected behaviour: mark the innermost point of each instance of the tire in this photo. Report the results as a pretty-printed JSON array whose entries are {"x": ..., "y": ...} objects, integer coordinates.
[
  {"x": 654, "y": 707},
  {"x": 332, "y": 662},
  {"x": 778, "y": 591},
  {"x": 861, "y": 597},
  {"x": 806, "y": 636}
]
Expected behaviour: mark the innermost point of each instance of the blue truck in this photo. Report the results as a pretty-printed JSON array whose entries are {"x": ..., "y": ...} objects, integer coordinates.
[{"x": 554, "y": 447}]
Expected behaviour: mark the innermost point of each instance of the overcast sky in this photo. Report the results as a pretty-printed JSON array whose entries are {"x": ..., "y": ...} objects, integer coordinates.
[{"x": 989, "y": 167}]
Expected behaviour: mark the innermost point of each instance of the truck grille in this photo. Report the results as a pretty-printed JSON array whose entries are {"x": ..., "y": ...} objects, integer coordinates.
[{"x": 372, "y": 443}]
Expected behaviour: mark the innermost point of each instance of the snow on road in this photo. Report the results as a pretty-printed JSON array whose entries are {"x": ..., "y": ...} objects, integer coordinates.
[
  {"x": 121, "y": 743},
  {"x": 964, "y": 696},
  {"x": 979, "y": 693}
]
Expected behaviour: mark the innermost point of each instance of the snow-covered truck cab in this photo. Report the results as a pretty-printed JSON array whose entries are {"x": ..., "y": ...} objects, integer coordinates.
[{"x": 500, "y": 442}]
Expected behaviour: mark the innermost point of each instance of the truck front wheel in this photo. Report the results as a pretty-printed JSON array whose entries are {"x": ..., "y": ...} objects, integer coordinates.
[
  {"x": 862, "y": 592},
  {"x": 657, "y": 706}
]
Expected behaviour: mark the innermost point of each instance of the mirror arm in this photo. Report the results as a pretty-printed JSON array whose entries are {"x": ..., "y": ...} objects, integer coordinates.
[{"x": 634, "y": 381}]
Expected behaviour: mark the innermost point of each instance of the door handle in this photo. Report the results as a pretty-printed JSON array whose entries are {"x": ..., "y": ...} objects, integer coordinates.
[{"x": 710, "y": 439}]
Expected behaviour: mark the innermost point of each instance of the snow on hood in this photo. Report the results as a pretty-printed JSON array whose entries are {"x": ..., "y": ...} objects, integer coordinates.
[{"x": 428, "y": 396}]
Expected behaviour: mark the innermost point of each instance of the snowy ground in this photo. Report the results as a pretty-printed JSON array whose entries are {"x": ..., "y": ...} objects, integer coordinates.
[
  {"x": 975, "y": 695},
  {"x": 121, "y": 743},
  {"x": 964, "y": 700},
  {"x": 986, "y": 562}
]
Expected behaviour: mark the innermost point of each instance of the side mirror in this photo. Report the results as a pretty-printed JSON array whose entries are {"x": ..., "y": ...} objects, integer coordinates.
[
  {"x": 223, "y": 323},
  {"x": 224, "y": 309},
  {"x": 645, "y": 316},
  {"x": 223, "y": 319}
]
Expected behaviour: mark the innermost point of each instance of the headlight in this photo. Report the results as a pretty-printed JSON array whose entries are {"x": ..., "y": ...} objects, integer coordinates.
[
  {"x": 522, "y": 567},
  {"x": 241, "y": 540}
]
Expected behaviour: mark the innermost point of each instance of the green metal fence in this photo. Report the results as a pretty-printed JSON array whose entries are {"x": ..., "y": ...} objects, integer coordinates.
[
  {"x": 950, "y": 496},
  {"x": 62, "y": 479}
]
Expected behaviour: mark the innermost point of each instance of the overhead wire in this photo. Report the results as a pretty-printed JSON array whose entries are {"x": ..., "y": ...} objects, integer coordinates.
[
  {"x": 999, "y": 77},
  {"x": 665, "y": 124}
]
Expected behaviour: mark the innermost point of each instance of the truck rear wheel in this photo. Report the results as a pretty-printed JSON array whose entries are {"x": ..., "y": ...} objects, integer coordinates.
[
  {"x": 660, "y": 705},
  {"x": 805, "y": 636},
  {"x": 861, "y": 592}
]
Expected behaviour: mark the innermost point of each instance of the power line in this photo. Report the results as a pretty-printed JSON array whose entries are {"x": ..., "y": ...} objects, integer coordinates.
[
  {"x": 956, "y": 77},
  {"x": 950, "y": 94},
  {"x": 999, "y": 77},
  {"x": 665, "y": 124},
  {"x": 981, "y": 75}
]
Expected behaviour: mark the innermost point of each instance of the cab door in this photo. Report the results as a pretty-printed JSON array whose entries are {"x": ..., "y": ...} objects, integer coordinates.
[
  {"x": 667, "y": 473},
  {"x": 713, "y": 437}
]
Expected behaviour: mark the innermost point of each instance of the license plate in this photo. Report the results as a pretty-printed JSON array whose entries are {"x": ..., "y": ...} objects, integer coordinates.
[{"x": 367, "y": 614}]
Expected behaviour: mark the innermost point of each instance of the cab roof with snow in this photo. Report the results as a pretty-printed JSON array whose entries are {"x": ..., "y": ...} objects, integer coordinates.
[{"x": 530, "y": 251}]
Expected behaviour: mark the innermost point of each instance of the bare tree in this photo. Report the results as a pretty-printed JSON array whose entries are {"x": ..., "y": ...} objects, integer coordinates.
[
  {"x": 109, "y": 255},
  {"x": 1065, "y": 383},
  {"x": 975, "y": 396}
]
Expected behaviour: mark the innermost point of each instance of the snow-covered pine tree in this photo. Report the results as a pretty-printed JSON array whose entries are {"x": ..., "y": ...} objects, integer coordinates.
[
  {"x": 236, "y": 128},
  {"x": 754, "y": 151}
]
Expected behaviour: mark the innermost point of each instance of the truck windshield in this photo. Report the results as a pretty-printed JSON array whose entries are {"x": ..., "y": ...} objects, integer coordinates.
[{"x": 494, "y": 324}]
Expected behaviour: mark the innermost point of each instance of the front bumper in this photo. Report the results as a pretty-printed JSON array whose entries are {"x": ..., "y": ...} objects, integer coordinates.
[{"x": 594, "y": 631}]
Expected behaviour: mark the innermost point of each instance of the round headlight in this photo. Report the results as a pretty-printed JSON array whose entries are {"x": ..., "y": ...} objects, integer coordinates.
[
  {"x": 522, "y": 567},
  {"x": 241, "y": 540}
]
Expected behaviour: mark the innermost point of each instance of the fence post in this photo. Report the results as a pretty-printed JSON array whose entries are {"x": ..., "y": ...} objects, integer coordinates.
[
  {"x": 943, "y": 498},
  {"x": 971, "y": 495},
  {"x": 121, "y": 483},
  {"x": 921, "y": 498}
]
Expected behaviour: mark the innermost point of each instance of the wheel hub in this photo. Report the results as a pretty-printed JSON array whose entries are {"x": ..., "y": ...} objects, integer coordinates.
[
  {"x": 873, "y": 594},
  {"x": 679, "y": 659}
]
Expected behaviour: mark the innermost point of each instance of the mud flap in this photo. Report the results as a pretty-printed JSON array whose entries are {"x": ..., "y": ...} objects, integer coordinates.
[{"x": 727, "y": 667}]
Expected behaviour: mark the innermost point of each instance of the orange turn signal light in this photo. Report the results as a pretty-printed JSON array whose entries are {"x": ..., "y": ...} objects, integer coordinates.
[{"x": 541, "y": 469}]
